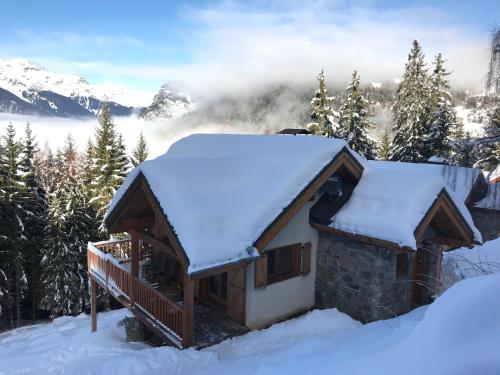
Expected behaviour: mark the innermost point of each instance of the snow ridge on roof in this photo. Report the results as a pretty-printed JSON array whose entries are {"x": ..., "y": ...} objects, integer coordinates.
[
  {"x": 392, "y": 198},
  {"x": 221, "y": 191}
]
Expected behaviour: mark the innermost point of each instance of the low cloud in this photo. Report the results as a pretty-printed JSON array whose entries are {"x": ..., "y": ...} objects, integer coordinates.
[{"x": 237, "y": 48}]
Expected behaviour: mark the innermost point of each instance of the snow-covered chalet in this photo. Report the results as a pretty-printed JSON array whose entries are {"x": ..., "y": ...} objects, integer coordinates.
[{"x": 230, "y": 233}]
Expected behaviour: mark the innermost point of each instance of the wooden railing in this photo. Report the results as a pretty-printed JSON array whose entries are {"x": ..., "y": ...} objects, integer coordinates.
[
  {"x": 119, "y": 281},
  {"x": 118, "y": 248}
]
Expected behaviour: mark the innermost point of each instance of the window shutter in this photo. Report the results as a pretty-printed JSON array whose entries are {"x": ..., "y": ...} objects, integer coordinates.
[
  {"x": 261, "y": 271},
  {"x": 306, "y": 258}
]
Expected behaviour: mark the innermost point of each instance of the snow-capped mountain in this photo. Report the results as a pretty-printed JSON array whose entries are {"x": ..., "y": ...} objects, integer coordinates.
[
  {"x": 166, "y": 104},
  {"x": 63, "y": 94}
]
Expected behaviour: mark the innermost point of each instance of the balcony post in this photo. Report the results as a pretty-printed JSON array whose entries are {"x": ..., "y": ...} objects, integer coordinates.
[
  {"x": 134, "y": 266},
  {"x": 187, "y": 312},
  {"x": 93, "y": 305}
]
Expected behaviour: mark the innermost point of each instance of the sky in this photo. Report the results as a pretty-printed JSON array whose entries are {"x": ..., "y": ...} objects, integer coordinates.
[{"x": 211, "y": 47}]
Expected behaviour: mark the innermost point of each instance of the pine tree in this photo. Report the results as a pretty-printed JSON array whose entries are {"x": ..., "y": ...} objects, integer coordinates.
[
  {"x": 122, "y": 161},
  {"x": 61, "y": 281},
  {"x": 322, "y": 114},
  {"x": 64, "y": 261},
  {"x": 33, "y": 216},
  {"x": 410, "y": 110},
  {"x": 442, "y": 116},
  {"x": 110, "y": 165},
  {"x": 355, "y": 121},
  {"x": 11, "y": 228},
  {"x": 140, "y": 152},
  {"x": 489, "y": 154},
  {"x": 385, "y": 145}
]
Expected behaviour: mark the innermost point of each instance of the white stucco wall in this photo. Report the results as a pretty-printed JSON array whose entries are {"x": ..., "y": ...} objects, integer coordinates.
[{"x": 279, "y": 300}]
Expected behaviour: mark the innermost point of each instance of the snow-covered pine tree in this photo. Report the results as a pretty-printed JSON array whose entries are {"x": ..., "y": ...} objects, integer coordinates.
[
  {"x": 385, "y": 145},
  {"x": 64, "y": 261},
  {"x": 109, "y": 167},
  {"x": 61, "y": 281},
  {"x": 442, "y": 116},
  {"x": 44, "y": 162},
  {"x": 462, "y": 150},
  {"x": 410, "y": 110},
  {"x": 140, "y": 152},
  {"x": 11, "y": 227},
  {"x": 122, "y": 161},
  {"x": 354, "y": 119},
  {"x": 322, "y": 113},
  {"x": 489, "y": 154},
  {"x": 34, "y": 218}
]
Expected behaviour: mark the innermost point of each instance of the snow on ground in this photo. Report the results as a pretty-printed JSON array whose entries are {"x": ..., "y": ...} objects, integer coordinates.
[
  {"x": 457, "y": 334},
  {"x": 464, "y": 262}
]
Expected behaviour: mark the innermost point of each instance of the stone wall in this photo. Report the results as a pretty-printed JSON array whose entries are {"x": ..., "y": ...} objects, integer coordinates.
[
  {"x": 487, "y": 221},
  {"x": 360, "y": 279}
]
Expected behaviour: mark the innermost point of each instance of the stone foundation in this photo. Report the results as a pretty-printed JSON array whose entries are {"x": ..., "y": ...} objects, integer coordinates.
[
  {"x": 134, "y": 329},
  {"x": 360, "y": 279}
]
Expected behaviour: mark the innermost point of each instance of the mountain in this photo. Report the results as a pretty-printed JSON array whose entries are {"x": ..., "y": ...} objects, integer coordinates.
[
  {"x": 10, "y": 103},
  {"x": 63, "y": 95},
  {"x": 167, "y": 104}
]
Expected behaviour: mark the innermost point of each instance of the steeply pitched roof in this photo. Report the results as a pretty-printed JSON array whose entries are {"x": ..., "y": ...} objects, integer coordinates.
[
  {"x": 392, "y": 198},
  {"x": 220, "y": 192}
]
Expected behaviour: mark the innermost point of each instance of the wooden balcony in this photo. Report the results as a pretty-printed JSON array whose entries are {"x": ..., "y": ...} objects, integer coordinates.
[
  {"x": 109, "y": 266},
  {"x": 170, "y": 311}
]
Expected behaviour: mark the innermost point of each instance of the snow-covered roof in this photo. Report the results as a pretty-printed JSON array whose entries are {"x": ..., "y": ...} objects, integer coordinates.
[
  {"x": 221, "y": 191},
  {"x": 392, "y": 198}
]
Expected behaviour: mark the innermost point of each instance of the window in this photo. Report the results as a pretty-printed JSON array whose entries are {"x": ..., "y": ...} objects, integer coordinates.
[
  {"x": 217, "y": 287},
  {"x": 283, "y": 263},
  {"x": 402, "y": 265}
]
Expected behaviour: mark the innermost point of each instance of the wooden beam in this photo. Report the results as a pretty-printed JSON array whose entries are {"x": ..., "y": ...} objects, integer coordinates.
[
  {"x": 137, "y": 223},
  {"x": 93, "y": 305},
  {"x": 361, "y": 238},
  {"x": 444, "y": 202},
  {"x": 165, "y": 225},
  {"x": 453, "y": 242},
  {"x": 220, "y": 269},
  {"x": 343, "y": 159},
  {"x": 136, "y": 249},
  {"x": 188, "y": 312},
  {"x": 157, "y": 244}
]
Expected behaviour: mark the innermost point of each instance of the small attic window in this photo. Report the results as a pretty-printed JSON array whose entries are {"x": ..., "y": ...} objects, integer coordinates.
[{"x": 402, "y": 265}]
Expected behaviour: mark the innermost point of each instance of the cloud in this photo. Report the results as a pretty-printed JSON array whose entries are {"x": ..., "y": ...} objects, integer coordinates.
[
  {"x": 53, "y": 131},
  {"x": 237, "y": 48}
]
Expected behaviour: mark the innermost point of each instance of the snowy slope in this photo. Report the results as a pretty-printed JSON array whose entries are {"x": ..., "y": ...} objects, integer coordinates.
[
  {"x": 457, "y": 334},
  {"x": 18, "y": 75}
]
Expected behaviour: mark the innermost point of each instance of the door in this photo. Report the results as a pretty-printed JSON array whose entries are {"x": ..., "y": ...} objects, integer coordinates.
[{"x": 419, "y": 277}]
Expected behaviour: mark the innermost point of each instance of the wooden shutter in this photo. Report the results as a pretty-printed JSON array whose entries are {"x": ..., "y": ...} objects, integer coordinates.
[
  {"x": 261, "y": 271},
  {"x": 306, "y": 258}
]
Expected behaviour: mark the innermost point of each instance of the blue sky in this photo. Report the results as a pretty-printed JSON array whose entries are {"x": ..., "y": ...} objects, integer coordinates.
[{"x": 208, "y": 45}]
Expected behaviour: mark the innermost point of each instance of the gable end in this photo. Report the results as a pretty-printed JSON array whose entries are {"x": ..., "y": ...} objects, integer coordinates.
[{"x": 343, "y": 159}]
